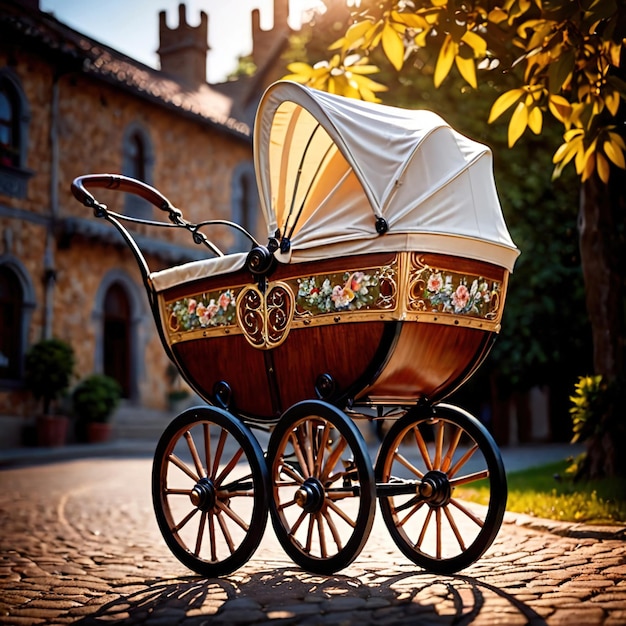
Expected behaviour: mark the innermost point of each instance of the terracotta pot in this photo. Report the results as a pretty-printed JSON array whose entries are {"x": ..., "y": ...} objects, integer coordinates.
[
  {"x": 52, "y": 430},
  {"x": 98, "y": 432}
]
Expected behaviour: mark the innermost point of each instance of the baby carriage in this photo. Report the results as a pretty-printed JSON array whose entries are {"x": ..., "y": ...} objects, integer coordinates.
[{"x": 380, "y": 291}]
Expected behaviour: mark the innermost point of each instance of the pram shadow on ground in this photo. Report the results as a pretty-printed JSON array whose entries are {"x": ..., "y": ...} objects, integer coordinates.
[{"x": 290, "y": 596}]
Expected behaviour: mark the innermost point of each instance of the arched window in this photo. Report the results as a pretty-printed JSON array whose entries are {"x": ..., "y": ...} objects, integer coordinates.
[
  {"x": 14, "y": 121},
  {"x": 245, "y": 202},
  {"x": 137, "y": 162},
  {"x": 17, "y": 303},
  {"x": 117, "y": 324},
  {"x": 9, "y": 128},
  {"x": 11, "y": 301}
]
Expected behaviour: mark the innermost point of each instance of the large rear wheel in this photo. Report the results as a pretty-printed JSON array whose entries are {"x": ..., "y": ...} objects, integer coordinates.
[
  {"x": 323, "y": 490},
  {"x": 428, "y": 460},
  {"x": 209, "y": 490}
]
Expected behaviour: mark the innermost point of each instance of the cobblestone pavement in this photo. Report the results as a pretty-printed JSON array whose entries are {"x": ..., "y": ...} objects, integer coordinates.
[{"x": 79, "y": 544}]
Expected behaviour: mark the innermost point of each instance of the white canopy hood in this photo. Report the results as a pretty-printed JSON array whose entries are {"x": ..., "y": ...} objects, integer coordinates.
[{"x": 329, "y": 167}]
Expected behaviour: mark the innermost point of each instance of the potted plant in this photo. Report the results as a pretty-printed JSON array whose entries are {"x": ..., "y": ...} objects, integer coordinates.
[
  {"x": 48, "y": 369},
  {"x": 94, "y": 399}
]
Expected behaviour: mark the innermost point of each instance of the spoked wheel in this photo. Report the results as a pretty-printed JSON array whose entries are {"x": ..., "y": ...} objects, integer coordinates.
[
  {"x": 424, "y": 465},
  {"x": 323, "y": 502},
  {"x": 209, "y": 490}
]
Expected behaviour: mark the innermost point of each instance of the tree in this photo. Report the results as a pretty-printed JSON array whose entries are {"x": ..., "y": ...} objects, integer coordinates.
[{"x": 556, "y": 61}]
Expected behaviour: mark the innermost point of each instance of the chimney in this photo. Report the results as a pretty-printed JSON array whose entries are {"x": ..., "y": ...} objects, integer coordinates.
[
  {"x": 264, "y": 42},
  {"x": 183, "y": 50}
]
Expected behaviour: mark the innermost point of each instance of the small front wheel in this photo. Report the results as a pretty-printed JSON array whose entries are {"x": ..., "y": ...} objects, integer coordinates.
[
  {"x": 209, "y": 490},
  {"x": 428, "y": 460},
  {"x": 323, "y": 502}
]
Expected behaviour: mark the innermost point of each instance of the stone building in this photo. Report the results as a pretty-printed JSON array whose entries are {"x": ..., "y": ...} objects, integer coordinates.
[{"x": 70, "y": 106}]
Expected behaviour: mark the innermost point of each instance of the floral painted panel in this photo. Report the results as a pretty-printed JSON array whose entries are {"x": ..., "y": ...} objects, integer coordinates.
[
  {"x": 448, "y": 292},
  {"x": 205, "y": 310},
  {"x": 343, "y": 291}
]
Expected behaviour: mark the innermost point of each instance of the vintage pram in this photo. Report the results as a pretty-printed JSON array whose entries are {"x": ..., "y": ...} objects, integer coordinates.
[{"x": 379, "y": 293}]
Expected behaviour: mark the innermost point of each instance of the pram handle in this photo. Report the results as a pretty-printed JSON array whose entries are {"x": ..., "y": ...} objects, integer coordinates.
[{"x": 122, "y": 183}]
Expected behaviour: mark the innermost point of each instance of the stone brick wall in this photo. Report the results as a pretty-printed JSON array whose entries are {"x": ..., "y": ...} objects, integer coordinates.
[{"x": 193, "y": 167}]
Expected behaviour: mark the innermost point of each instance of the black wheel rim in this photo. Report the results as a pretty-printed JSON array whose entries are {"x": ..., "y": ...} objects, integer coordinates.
[
  {"x": 323, "y": 491},
  {"x": 429, "y": 461},
  {"x": 209, "y": 490}
]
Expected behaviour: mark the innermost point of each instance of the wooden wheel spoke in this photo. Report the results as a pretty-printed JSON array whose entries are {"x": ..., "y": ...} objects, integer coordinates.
[
  {"x": 177, "y": 492},
  {"x": 294, "y": 529},
  {"x": 455, "y": 528},
  {"x": 172, "y": 458},
  {"x": 308, "y": 447},
  {"x": 467, "y": 512},
  {"x": 421, "y": 444},
  {"x": 185, "y": 519},
  {"x": 212, "y": 537},
  {"x": 333, "y": 458},
  {"x": 322, "y": 534},
  {"x": 228, "y": 511},
  {"x": 218, "y": 452},
  {"x": 292, "y": 473},
  {"x": 229, "y": 467},
  {"x": 404, "y": 461},
  {"x": 200, "y": 532},
  {"x": 463, "y": 460},
  {"x": 420, "y": 539},
  {"x": 341, "y": 513},
  {"x": 309, "y": 534},
  {"x": 438, "y": 445},
  {"x": 333, "y": 529},
  {"x": 416, "y": 507},
  {"x": 320, "y": 450},
  {"x": 447, "y": 461},
  {"x": 194, "y": 454},
  {"x": 438, "y": 531},
  {"x": 224, "y": 527},
  {"x": 469, "y": 478},
  {"x": 299, "y": 455},
  {"x": 206, "y": 427}
]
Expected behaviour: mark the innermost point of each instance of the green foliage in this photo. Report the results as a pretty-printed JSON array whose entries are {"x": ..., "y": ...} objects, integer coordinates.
[
  {"x": 49, "y": 365},
  {"x": 589, "y": 404},
  {"x": 96, "y": 397},
  {"x": 597, "y": 413}
]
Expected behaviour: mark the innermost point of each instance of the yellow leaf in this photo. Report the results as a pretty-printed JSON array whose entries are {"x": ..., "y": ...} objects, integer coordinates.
[
  {"x": 476, "y": 43},
  {"x": 590, "y": 166},
  {"x": 445, "y": 59},
  {"x": 614, "y": 153},
  {"x": 535, "y": 120},
  {"x": 467, "y": 69},
  {"x": 566, "y": 152},
  {"x": 393, "y": 46},
  {"x": 617, "y": 139},
  {"x": 503, "y": 102},
  {"x": 612, "y": 102},
  {"x": 497, "y": 15},
  {"x": 303, "y": 69},
  {"x": 559, "y": 107},
  {"x": 356, "y": 32},
  {"x": 518, "y": 123},
  {"x": 409, "y": 20},
  {"x": 604, "y": 169}
]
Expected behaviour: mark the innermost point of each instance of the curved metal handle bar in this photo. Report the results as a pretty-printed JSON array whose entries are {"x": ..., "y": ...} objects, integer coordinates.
[{"x": 118, "y": 182}]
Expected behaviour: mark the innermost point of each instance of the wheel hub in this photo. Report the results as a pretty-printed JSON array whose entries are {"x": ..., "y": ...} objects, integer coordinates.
[
  {"x": 203, "y": 495},
  {"x": 310, "y": 496},
  {"x": 435, "y": 488}
]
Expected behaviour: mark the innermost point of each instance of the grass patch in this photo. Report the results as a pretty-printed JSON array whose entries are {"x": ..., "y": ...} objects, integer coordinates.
[{"x": 548, "y": 491}]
